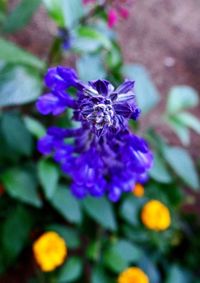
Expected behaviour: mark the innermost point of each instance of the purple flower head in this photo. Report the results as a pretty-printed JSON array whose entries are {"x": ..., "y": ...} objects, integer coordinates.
[{"x": 105, "y": 158}]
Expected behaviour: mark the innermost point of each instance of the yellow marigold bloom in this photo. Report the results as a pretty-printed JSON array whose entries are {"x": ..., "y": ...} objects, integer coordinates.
[
  {"x": 156, "y": 216},
  {"x": 49, "y": 251},
  {"x": 133, "y": 275},
  {"x": 138, "y": 190}
]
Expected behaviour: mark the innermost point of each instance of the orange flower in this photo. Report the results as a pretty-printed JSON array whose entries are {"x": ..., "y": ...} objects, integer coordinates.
[
  {"x": 156, "y": 216},
  {"x": 138, "y": 190},
  {"x": 133, "y": 275},
  {"x": 49, "y": 251}
]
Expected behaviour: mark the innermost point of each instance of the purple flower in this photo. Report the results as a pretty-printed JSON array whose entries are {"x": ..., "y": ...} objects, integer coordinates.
[{"x": 105, "y": 158}]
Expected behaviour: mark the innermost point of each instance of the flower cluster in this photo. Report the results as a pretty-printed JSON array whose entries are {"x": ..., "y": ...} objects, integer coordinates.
[
  {"x": 115, "y": 9},
  {"x": 105, "y": 157},
  {"x": 156, "y": 216},
  {"x": 133, "y": 275},
  {"x": 49, "y": 251}
]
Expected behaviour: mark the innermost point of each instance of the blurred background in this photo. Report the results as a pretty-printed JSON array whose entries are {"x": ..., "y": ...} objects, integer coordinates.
[{"x": 156, "y": 43}]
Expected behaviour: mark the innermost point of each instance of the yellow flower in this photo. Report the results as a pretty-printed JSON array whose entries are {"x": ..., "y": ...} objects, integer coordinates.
[
  {"x": 138, "y": 190},
  {"x": 49, "y": 251},
  {"x": 133, "y": 275},
  {"x": 156, "y": 216}
]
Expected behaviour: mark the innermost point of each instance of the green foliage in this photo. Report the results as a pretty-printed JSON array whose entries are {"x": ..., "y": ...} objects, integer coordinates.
[
  {"x": 71, "y": 270},
  {"x": 11, "y": 53},
  {"x": 120, "y": 255},
  {"x": 181, "y": 98},
  {"x": 101, "y": 210},
  {"x": 22, "y": 185},
  {"x": 180, "y": 160},
  {"x": 48, "y": 176},
  {"x": 18, "y": 85},
  {"x": 66, "y": 205},
  {"x": 20, "y": 16},
  {"x": 15, "y": 233}
]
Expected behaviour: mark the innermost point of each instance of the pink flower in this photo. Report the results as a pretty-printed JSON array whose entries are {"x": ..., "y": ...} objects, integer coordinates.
[
  {"x": 112, "y": 18},
  {"x": 85, "y": 2}
]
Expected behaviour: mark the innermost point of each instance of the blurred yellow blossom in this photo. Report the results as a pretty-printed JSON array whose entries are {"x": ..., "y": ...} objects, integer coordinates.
[
  {"x": 138, "y": 190},
  {"x": 49, "y": 251},
  {"x": 133, "y": 275},
  {"x": 156, "y": 216}
]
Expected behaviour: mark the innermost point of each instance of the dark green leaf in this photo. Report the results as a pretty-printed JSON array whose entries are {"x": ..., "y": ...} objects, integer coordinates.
[
  {"x": 71, "y": 271},
  {"x": 183, "y": 165},
  {"x": 21, "y": 185},
  {"x": 48, "y": 175},
  {"x": 16, "y": 135},
  {"x": 18, "y": 85},
  {"x": 21, "y": 15},
  {"x": 101, "y": 210},
  {"x": 178, "y": 275},
  {"x": 15, "y": 233},
  {"x": 180, "y": 98},
  {"x": 99, "y": 276},
  {"x": 66, "y": 205},
  {"x": 120, "y": 255},
  {"x": 146, "y": 92},
  {"x": 69, "y": 234},
  {"x": 11, "y": 53}
]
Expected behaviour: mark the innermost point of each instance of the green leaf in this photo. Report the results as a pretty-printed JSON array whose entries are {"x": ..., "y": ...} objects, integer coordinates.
[
  {"x": 130, "y": 208},
  {"x": 55, "y": 10},
  {"x": 73, "y": 11},
  {"x": 16, "y": 135},
  {"x": 15, "y": 233},
  {"x": 18, "y": 85},
  {"x": 159, "y": 171},
  {"x": 21, "y": 15},
  {"x": 48, "y": 175},
  {"x": 146, "y": 92},
  {"x": 99, "y": 276},
  {"x": 101, "y": 210},
  {"x": 34, "y": 127},
  {"x": 180, "y": 129},
  {"x": 88, "y": 39},
  {"x": 11, "y": 53},
  {"x": 97, "y": 70},
  {"x": 66, "y": 205},
  {"x": 183, "y": 165},
  {"x": 189, "y": 120},
  {"x": 180, "y": 98},
  {"x": 120, "y": 255},
  {"x": 178, "y": 275},
  {"x": 21, "y": 184},
  {"x": 70, "y": 235},
  {"x": 71, "y": 270},
  {"x": 147, "y": 265}
]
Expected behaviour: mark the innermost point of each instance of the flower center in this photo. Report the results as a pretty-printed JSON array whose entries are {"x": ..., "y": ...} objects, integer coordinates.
[{"x": 102, "y": 115}]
